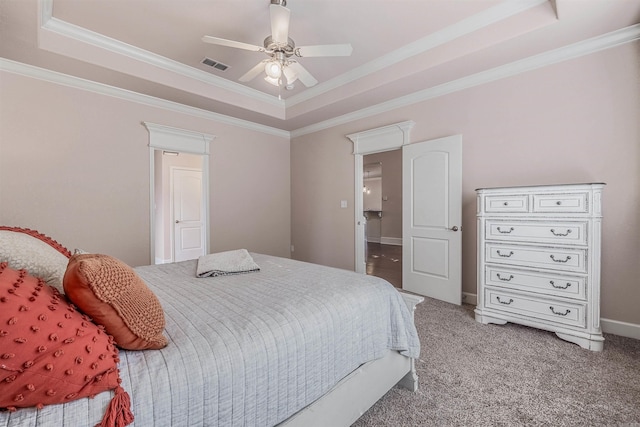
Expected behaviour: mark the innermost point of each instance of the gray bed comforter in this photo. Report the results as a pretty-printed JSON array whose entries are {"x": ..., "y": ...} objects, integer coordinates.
[{"x": 247, "y": 350}]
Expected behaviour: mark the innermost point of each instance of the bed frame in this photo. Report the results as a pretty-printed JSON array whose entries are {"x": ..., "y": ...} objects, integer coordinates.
[{"x": 358, "y": 391}]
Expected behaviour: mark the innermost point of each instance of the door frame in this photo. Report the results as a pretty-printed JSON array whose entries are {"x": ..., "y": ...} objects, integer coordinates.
[
  {"x": 169, "y": 138},
  {"x": 371, "y": 141}
]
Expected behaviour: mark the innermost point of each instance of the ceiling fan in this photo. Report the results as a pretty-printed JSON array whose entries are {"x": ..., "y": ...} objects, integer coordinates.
[{"x": 281, "y": 50}]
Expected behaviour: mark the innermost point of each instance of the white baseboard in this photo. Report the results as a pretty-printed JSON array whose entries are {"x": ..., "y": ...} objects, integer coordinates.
[
  {"x": 615, "y": 327},
  {"x": 373, "y": 239},
  {"x": 396, "y": 241},
  {"x": 624, "y": 329},
  {"x": 163, "y": 261},
  {"x": 468, "y": 298}
]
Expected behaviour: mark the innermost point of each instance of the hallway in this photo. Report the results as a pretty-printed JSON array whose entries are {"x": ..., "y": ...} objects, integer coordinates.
[{"x": 385, "y": 261}]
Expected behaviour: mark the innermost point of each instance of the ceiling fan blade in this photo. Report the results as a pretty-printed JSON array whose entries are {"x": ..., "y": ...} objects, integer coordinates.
[
  {"x": 324, "y": 50},
  {"x": 253, "y": 73},
  {"x": 303, "y": 75},
  {"x": 231, "y": 43},
  {"x": 279, "y": 23}
]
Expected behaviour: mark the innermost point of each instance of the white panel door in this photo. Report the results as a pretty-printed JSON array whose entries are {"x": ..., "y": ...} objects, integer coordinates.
[
  {"x": 432, "y": 212},
  {"x": 188, "y": 214}
]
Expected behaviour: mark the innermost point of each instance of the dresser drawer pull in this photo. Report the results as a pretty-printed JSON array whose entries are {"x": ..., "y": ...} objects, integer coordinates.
[
  {"x": 559, "y": 286},
  {"x": 504, "y": 302},
  {"x": 506, "y": 255},
  {"x": 505, "y": 279},
  {"x": 506, "y": 231},
  {"x": 558, "y": 313},
  {"x": 560, "y": 260},
  {"x": 560, "y": 234},
  {"x": 558, "y": 202},
  {"x": 506, "y": 203}
]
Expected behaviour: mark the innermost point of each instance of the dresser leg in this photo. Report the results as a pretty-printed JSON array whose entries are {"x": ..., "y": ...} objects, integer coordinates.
[
  {"x": 596, "y": 343},
  {"x": 485, "y": 319}
]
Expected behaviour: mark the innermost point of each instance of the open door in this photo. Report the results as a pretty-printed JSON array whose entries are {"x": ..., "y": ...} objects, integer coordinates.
[{"x": 432, "y": 213}]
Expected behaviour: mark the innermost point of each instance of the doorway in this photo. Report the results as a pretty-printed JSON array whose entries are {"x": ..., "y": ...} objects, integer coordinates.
[
  {"x": 183, "y": 149},
  {"x": 382, "y": 202},
  {"x": 432, "y": 176},
  {"x": 180, "y": 231}
]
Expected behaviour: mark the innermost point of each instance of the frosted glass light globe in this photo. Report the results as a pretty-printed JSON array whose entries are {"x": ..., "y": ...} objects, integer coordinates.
[{"x": 273, "y": 69}]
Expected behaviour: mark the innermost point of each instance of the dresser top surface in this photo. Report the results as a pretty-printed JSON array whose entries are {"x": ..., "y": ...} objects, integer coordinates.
[{"x": 544, "y": 186}]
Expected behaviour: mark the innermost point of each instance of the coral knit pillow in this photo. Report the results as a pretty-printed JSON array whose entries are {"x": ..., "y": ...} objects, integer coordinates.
[
  {"x": 49, "y": 352},
  {"x": 113, "y": 295}
]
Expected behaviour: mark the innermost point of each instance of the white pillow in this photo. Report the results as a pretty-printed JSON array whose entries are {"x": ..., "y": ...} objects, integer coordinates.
[{"x": 23, "y": 251}]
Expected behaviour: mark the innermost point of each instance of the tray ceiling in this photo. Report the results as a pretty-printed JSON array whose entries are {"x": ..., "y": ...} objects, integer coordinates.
[{"x": 400, "y": 48}]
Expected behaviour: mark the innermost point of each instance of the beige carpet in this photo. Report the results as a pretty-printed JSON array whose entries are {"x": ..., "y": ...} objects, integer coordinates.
[{"x": 492, "y": 375}]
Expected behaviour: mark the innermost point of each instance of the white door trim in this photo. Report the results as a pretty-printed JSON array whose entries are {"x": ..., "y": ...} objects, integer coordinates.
[
  {"x": 186, "y": 141},
  {"x": 372, "y": 141}
]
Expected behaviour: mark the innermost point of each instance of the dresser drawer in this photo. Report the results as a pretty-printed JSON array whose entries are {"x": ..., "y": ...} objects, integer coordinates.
[
  {"x": 532, "y": 281},
  {"x": 566, "y": 313},
  {"x": 565, "y": 259},
  {"x": 563, "y": 233},
  {"x": 499, "y": 203},
  {"x": 575, "y": 203}
]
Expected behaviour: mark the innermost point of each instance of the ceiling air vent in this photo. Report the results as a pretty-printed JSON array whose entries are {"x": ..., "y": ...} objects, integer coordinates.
[{"x": 215, "y": 64}]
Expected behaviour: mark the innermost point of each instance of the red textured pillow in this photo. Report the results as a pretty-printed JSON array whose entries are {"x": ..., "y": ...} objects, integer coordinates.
[
  {"x": 49, "y": 352},
  {"x": 113, "y": 295}
]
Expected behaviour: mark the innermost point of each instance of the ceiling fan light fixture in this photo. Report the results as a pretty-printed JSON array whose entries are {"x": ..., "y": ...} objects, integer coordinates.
[
  {"x": 290, "y": 75},
  {"x": 273, "y": 69},
  {"x": 280, "y": 48},
  {"x": 272, "y": 80}
]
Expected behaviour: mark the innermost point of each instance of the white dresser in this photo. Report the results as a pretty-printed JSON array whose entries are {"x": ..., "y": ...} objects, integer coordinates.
[{"x": 539, "y": 259}]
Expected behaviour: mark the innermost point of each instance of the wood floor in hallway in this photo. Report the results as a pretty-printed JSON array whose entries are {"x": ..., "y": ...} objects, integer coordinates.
[{"x": 385, "y": 261}]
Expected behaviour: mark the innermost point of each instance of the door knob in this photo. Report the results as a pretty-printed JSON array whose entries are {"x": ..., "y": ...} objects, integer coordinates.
[
  {"x": 177, "y": 222},
  {"x": 454, "y": 228}
]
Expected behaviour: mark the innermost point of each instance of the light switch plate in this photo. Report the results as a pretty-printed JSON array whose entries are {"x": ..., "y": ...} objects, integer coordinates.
[{"x": 343, "y": 203}]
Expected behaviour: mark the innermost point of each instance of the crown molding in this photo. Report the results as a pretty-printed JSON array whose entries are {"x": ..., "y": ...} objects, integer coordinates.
[
  {"x": 586, "y": 47},
  {"x": 595, "y": 44},
  {"x": 464, "y": 27},
  {"x": 45, "y": 10},
  {"x": 66, "y": 29},
  {"x": 127, "y": 95},
  {"x": 469, "y": 25}
]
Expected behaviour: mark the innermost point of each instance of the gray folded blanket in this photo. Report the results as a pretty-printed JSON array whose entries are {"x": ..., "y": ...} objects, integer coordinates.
[{"x": 226, "y": 263}]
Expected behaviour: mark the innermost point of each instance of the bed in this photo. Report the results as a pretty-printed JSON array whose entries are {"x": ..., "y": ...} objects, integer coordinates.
[{"x": 295, "y": 344}]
